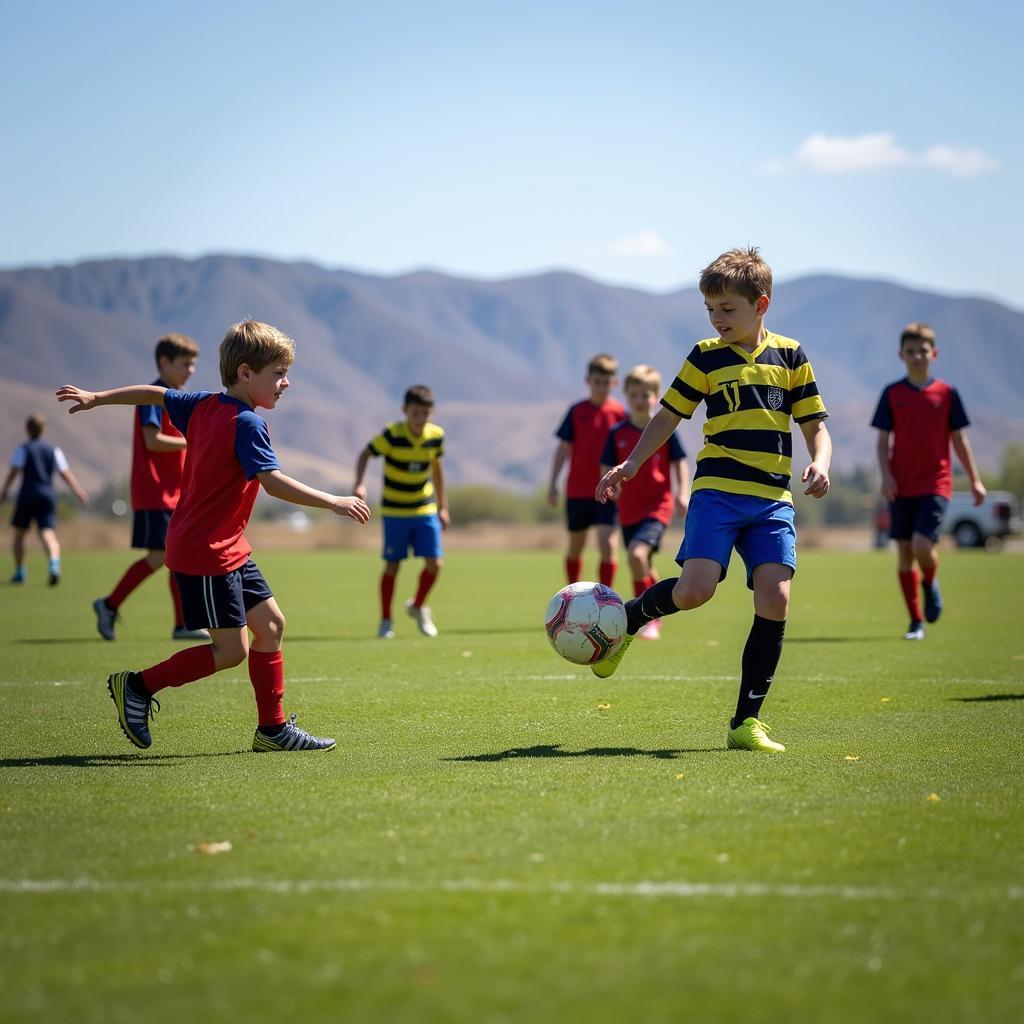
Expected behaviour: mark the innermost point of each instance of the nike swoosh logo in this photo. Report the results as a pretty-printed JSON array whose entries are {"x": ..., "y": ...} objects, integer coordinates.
[{"x": 756, "y": 696}]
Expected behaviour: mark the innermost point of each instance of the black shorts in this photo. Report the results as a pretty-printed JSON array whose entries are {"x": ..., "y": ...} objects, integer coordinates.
[
  {"x": 647, "y": 531},
  {"x": 582, "y": 513},
  {"x": 221, "y": 602},
  {"x": 149, "y": 528},
  {"x": 40, "y": 507},
  {"x": 922, "y": 514}
]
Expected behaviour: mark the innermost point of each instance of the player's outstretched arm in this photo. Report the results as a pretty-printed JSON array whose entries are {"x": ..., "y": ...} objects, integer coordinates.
[
  {"x": 136, "y": 394},
  {"x": 276, "y": 484},
  {"x": 655, "y": 434},
  {"x": 819, "y": 447}
]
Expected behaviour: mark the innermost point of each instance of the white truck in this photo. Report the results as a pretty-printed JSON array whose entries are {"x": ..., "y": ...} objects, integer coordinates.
[{"x": 983, "y": 525}]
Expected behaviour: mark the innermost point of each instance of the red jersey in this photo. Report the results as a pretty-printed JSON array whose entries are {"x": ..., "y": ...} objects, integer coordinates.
[
  {"x": 228, "y": 445},
  {"x": 156, "y": 476},
  {"x": 586, "y": 428},
  {"x": 920, "y": 420},
  {"x": 648, "y": 495}
]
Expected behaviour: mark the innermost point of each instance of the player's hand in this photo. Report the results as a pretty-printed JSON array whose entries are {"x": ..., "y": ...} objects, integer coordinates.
[
  {"x": 355, "y": 508},
  {"x": 682, "y": 506},
  {"x": 889, "y": 486},
  {"x": 979, "y": 491},
  {"x": 443, "y": 515},
  {"x": 607, "y": 489},
  {"x": 553, "y": 495},
  {"x": 816, "y": 479},
  {"x": 82, "y": 399}
]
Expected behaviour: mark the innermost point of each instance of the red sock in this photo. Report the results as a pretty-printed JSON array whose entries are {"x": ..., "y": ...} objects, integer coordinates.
[
  {"x": 607, "y": 572},
  {"x": 908, "y": 584},
  {"x": 266, "y": 673},
  {"x": 573, "y": 568},
  {"x": 172, "y": 583},
  {"x": 639, "y": 586},
  {"x": 387, "y": 592},
  {"x": 134, "y": 575},
  {"x": 184, "y": 667},
  {"x": 427, "y": 579},
  {"x": 928, "y": 575}
]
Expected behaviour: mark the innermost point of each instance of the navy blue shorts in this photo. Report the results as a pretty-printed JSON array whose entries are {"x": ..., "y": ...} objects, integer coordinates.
[
  {"x": 221, "y": 602},
  {"x": 149, "y": 529},
  {"x": 647, "y": 531},
  {"x": 421, "y": 533},
  {"x": 582, "y": 513},
  {"x": 922, "y": 515},
  {"x": 761, "y": 530},
  {"x": 40, "y": 507}
]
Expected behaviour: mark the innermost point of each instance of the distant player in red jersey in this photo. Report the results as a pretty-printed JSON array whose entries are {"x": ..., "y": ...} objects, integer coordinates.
[
  {"x": 158, "y": 459},
  {"x": 581, "y": 438},
  {"x": 222, "y": 590},
  {"x": 646, "y": 502},
  {"x": 917, "y": 418}
]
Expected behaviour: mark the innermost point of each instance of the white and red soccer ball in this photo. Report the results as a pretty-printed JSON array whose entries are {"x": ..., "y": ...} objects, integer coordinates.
[{"x": 585, "y": 622}]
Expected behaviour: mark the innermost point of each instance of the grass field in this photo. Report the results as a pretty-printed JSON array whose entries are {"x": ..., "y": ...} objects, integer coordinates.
[{"x": 502, "y": 837}]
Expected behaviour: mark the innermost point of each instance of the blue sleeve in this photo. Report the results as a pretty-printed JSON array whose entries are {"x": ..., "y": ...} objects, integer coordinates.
[
  {"x": 252, "y": 445},
  {"x": 180, "y": 406},
  {"x": 957, "y": 413},
  {"x": 150, "y": 416},
  {"x": 564, "y": 432},
  {"x": 675, "y": 449},
  {"x": 609, "y": 457},
  {"x": 882, "y": 419}
]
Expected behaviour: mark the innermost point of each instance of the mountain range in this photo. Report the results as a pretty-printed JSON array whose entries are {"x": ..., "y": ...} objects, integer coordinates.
[{"x": 505, "y": 358}]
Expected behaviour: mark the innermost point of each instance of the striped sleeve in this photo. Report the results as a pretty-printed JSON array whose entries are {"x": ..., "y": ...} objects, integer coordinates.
[
  {"x": 381, "y": 444},
  {"x": 689, "y": 388},
  {"x": 803, "y": 390}
]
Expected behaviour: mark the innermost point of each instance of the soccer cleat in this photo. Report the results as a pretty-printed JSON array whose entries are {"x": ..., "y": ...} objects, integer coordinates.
[
  {"x": 915, "y": 631},
  {"x": 932, "y": 601},
  {"x": 183, "y": 633},
  {"x": 105, "y": 618},
  {"x": 386, "y": 630},
  {"x": 133, "y": 710},
  {"x": 19, "y": 575},
  {"x": 752, "y": 734},
  {"x": 651, "y": 631},
  {"x": 421, "y": 613},
  {"x": 603, "y": 669},
  {"x": 291, "y": 737}
]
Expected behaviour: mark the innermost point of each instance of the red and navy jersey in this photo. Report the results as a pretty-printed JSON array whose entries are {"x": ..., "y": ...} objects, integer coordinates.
[
  {"x": 228, "y": 445},
  {"x": 586, "y": 428},
  {"x": 920, "y": 421},
  {"x": 648, "y": 495},
  {"x": 156, "y": 476}
]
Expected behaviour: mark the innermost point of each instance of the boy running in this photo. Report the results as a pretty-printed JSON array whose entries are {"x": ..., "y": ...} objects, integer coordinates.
[
  {"x": 920, "y": 415},
  {"x": 752, "y": 381},
  {"x": 222, "y": 590}
]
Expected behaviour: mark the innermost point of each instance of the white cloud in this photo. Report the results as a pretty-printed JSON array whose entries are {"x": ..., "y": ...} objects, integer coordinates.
[
  {"x": 836, "y": 154},
  {"x": 644, "y": 243}
]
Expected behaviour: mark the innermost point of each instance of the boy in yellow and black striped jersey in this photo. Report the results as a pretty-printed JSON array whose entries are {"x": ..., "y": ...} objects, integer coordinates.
[
  {"x": 752, "y": 381},
  {"x": 414, "y": 503}
]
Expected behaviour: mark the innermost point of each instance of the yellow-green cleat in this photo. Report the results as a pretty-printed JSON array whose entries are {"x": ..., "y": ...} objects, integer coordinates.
[
  {"x": 603, "y": 669},
  {"x": 752, "y": 734}
]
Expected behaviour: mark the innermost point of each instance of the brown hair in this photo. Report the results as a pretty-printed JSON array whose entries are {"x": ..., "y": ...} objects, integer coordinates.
[
  {"x": 419, "y": 394},
  {"x": 646, "y": 376},
  {"x": 35, "y": 425},
  {"x": 917, "y": 332},
  {"x": 255, "y": 344},
  {"x": 603, "y": 363},
  {"x": 739, "y": 270},
  {"x": 170, "y": 346}
]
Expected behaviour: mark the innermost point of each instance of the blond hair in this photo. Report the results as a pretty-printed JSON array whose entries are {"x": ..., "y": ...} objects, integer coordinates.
[
  {"x": 255, "y": 344},
  {"x": 917, "y": 332},
  {"x": 35, "y": 425},
  {"x": 603, "y": 363},
  {"x": 646, "y": 376},
  {"x": 739, "y": 270},
  {"x": 170, "y": 346}
]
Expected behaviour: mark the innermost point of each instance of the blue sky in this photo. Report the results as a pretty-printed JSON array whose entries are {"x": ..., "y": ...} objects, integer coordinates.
[{"x": 631, "y": 142}]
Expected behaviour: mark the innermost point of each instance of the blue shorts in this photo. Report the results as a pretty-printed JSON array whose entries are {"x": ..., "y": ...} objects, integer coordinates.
[
  {"x": 922, "y": 515},
  {"x": 221, "y": 602},
  {"x": 647, "y": 531},
  {"x": 421, "y": 533},
  {"x": 582, "y": 513},
  {"x": 40, "y": 507},
  {"x": 760, "y": 530},
  {"x": 149, "y": 529}
]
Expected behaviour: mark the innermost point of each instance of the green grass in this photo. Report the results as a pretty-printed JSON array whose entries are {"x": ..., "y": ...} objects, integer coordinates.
[{"x": 489, "y": 842}]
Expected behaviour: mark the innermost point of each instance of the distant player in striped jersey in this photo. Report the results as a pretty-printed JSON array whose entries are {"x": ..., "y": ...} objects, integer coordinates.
[
  {"x": 752, "y": 382},
  {"x": 414, "y": 504}
]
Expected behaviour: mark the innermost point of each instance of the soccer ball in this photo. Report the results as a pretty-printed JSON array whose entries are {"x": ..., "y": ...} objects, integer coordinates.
[{"x": 585, "y": 622}]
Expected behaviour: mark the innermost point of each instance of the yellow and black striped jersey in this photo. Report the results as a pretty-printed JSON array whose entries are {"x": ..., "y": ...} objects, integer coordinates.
[
  {"x": 408, "y": 468},
  {"x": 750, "y": 398}
]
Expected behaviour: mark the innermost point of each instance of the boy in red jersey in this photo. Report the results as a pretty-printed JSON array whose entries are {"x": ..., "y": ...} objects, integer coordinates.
[
  {"x": 645, "y": 500},
  {"x": 158, "y": 459},
  {"x": 581, "y": 438},
  {"x": 920, "y": 415},
  {"x": 222, "y": 590}
]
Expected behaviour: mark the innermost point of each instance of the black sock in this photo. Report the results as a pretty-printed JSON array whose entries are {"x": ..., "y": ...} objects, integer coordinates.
[
  {"x": 271, "y": 730},
  {"x": 137, "y": 686},
  {"x": 760, "y": 659},
  {"x": 654, "y": 603}
]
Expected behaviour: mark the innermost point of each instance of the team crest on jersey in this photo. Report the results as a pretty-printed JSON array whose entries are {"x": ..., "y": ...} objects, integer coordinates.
[{"x": 775, "y": 396}]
